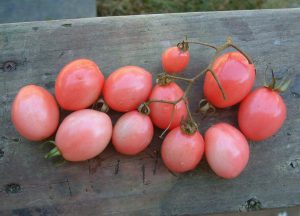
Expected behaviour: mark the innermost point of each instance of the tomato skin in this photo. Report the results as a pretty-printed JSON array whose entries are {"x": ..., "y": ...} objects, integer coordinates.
[
  {"x": 175, "y": 60},
  {"x": 83, "y": 135},
  {"x": 226, "y": 150},
  {"x": 261, "y": 114},
  {"x": 79, "y": 84},
  {"x": 182, "y": 152},
  {"x": 132, "y": 133},
  {"x": 127, "y": 87},
  {"x": 236, "y": 76},
  {"x": 35, "y": 113},
  {"x": 161, "y": 113}
]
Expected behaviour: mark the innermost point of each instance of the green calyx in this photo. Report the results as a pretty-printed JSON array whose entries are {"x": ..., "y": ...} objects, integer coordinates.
[
  {"x": 275, "y": 85},
  {"x": 101, "y": 106},
  {"x": 205, "y": 107},
  {"x": 188, "y": 126},
  {"x": 53, "y": 153},
  {"x": 183, "y": 46},
  {"x": 163, "y": 79},
  {"x": 144, "y": 108}
]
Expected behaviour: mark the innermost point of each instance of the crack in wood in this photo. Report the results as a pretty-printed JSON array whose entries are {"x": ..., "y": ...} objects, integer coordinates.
[
  {"x": 155, "y": 161},
  {"x": 1, "y": 153},
  {"x": 172, "y": 173},
  {"x": 49, "y": 185},
  {"x": 70, "y": 191},
  {"x": 117, "y": 167},
  {"x": 89, "y": 163},
  {"x": 143, "y": 173}
]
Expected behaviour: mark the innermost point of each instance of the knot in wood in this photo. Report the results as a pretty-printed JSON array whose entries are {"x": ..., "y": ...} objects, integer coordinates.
[{"x": 9, "y": 66}]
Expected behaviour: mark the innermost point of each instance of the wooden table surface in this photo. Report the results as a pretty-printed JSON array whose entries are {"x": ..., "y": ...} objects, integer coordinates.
[{"x": 112, "y": 184}]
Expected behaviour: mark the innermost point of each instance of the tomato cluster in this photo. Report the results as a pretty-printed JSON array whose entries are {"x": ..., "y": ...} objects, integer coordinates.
[{"x": 86, "y": 132}]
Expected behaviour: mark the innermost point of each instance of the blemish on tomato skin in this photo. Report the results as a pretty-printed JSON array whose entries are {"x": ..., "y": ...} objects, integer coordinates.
[{"x": 79, "y": 78}]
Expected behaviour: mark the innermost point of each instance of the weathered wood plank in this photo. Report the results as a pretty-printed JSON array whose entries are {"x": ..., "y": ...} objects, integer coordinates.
[
  {"x": 118, "y": 185},
  {"x": 37, "y": 10}
]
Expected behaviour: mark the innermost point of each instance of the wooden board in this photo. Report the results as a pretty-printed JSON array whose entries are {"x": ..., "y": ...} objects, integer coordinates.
[
  {"x": 36, "y": 10},
  {"x": 112, "y": 184}
]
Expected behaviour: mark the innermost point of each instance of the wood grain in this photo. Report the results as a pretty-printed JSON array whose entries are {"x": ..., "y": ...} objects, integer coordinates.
[{"x": 112, "y": 184}]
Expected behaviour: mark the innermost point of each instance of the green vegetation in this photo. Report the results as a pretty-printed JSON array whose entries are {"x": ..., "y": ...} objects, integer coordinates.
[{"x": 130, "y": 7}]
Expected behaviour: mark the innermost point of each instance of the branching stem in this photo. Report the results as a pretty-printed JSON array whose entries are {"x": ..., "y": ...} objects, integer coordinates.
[{"x": 166, "y": 78}]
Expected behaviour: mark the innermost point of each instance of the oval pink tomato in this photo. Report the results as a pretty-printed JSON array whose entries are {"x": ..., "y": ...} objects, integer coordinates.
[
  {"x": 132, "y": 133},
  {"x": 127, "y": 87},
  {"x": 161, "y": 113},
  {"x": 174, "y": 60},
  {"x": 236, "y": 76},
  {"x": 35, "y": 113},
  {"x": 261, "y": 114},
  {"x": 182, "y": 152},
  {"x": 79, "y": 84},
  {"x": 226, "y": 150},
  {"x": 83, "y": 135}
]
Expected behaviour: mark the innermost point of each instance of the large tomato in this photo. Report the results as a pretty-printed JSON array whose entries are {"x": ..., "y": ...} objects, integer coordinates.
[
  {"x": 182, "y": 152},
  {"x": 161, "y": 113},
  {"x": 79, "y": 84},
  {"x": 83, "y": 135},
  {"x": 261, "y": 114},
  {"x": 236, "y": 76},
  {"x": 226, "y": 150},
  {"x": 35, "y": 113},
  {"x": 127, "y": 87},
  {"x": 132, "y": 133}
]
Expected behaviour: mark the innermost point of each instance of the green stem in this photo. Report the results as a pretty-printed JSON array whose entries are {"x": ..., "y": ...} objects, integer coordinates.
[
  {"x": 47, "y": 142},
  {"x": 163, "y": 101},
  {"x": 243, "y": 53},
  {"x": 179, "y": 78},
  {"x": 53, "y": 153},
  {"x": 188, "y": 110},
  {"x": 170, "y": 122},
  {"x": 218, "y": 82},
  {"x": 203, "y": 44},
  {"x": 199, "y": 74}
]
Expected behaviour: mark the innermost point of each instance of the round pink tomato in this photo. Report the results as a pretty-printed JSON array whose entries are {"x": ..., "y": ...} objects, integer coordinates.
[
  {"x": 161, "y": 113},
  {"x": 226, "y": 150},
  {"x": 175, "y": 60},
  {"x": 132, "y": 133},
  {"x": 35, "y": 113},
  {"x": 182, "y": 152},
  {"x": 79, "y": 84},
  {"x": 127, "y": 87},
  {"x": 83, "y": 135},
  {"x": 261, "y": 114},
  {"x": 236, "y": 76}
]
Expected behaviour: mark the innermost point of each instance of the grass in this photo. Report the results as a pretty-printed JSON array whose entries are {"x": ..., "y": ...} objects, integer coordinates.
[{"x": 131, "y": 7}]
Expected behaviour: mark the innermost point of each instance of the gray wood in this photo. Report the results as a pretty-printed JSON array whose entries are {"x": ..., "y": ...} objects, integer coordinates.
[
  {"x": 36, "y": 10},
  {"x": 112, "y": 184}
]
